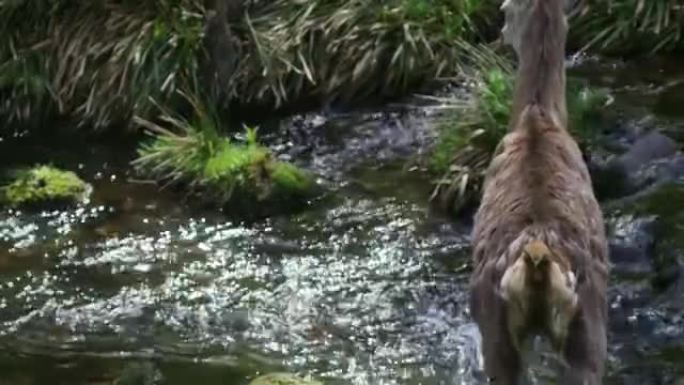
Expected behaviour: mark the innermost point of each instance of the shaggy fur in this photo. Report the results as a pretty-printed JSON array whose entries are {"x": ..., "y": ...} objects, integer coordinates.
[{"x": 538, "y": 196}]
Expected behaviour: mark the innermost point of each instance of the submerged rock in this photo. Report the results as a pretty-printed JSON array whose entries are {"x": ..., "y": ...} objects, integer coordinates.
[
  {"x": 649, "y": 147},
  {"x": 656, "y": 230},
  {"x": 139, "y": 373},
  {"x": 651, "y": 159},
  {"x": 283, "y": 379},
  {"x": 242, "y": 178},
  {"x": 44, "y": 185},
  {"x": 669, "y": 102}
]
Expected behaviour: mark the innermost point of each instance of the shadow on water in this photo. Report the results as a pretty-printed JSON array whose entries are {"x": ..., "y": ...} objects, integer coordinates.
[{"x": 367, "y": 287}]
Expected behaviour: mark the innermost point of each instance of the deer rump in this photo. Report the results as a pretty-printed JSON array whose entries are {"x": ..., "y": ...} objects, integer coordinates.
[{"x": 539, "y": 248}]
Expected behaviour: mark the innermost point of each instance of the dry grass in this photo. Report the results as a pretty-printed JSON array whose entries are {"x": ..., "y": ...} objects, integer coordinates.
[
  {"x": 96, "y": 62},
  {"x": 101, "y": 62},
  {"x": 630, "y": 25},
  {"x": 351, "y": 49}
]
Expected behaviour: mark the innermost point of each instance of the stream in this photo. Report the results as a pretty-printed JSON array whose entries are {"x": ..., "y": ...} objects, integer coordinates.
[{"x": 366, "y": 286}]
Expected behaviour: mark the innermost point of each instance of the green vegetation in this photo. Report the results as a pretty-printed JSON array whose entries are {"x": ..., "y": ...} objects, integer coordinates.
[
  {"x": 226, "y": 171},
  {"x": 99, "y": 63},
  {"x": 470, "y": 134},
  {"x": 43, "y": 185},
  {"x": 630, "y": 25},
  {"x": 351, "y": 49},
  {"x": 110, "y": 63},
  {"x": 94, "y": 62},
  {"x": 481, "y": 123}
]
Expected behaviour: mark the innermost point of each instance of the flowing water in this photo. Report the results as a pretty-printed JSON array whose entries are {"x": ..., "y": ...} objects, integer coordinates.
[{"x": 365, "y": 286}]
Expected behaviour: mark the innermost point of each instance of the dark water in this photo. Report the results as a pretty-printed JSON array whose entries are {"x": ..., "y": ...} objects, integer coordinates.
[{"x": 366, "y": 286}]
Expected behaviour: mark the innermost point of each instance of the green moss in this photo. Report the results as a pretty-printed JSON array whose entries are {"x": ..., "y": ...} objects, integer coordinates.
[
  {"x": 450, "y": 139},
  {"x": 585, "y": 111},
  {"x": 282, "y": 379},
  {"x": 43, "y": 184},
  {"x": 287, "y": 177},
  {"x": 232, "y": 161}
]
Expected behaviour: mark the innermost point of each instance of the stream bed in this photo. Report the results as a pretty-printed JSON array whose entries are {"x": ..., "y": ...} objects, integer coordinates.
[{"x": 366, "y": 286}]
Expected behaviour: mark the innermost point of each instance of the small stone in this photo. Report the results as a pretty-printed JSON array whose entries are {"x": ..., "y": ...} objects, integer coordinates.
[{"x": 649, "y": 147}]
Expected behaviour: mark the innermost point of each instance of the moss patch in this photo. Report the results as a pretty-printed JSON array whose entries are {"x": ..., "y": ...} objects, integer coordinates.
[{"x": 43, "y": 185}]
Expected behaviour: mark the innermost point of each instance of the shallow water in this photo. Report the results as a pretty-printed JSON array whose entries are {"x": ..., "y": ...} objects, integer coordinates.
[{"x": 365, "y": 286}]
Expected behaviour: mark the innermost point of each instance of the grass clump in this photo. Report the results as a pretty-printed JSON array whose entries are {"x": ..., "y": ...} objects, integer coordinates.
[
  {"x": 96, "y": 62},
  {"x": 470, "y": 133},
  {"x": 630, "y": 25},
  {"x": 348, "y": 50},
  {"x": 227, "y": 172},
  {"x": 100, "y": 62},
  {"x": 43, "y": 185}
]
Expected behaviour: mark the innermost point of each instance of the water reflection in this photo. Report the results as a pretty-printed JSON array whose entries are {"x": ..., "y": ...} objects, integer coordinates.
[{"x": 354, "y": 290}]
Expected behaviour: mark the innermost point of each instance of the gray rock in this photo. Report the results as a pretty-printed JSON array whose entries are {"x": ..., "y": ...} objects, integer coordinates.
[
  {"x": 659, "y": 171},
  {"x": 650, "y": 147},
  {"x": 652, "y": 159}
]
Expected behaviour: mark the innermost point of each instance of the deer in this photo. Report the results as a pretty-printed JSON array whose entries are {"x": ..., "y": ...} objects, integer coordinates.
[{"x": 539, "y": 250}]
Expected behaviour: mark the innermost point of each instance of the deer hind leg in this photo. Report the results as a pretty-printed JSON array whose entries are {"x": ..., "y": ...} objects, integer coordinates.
[
  {"x": 584, "y": 351},
  {"x": 502, "y": 360}
]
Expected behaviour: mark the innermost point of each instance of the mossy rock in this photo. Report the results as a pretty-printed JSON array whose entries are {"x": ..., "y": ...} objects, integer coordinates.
[
  {"x": 43, "y": 185},
  {"x": 283, "y": 379},
  {"x": 289, "y": 179},
  {"x": 243, "y": 178},
  {"x": 249, "y": 173}
]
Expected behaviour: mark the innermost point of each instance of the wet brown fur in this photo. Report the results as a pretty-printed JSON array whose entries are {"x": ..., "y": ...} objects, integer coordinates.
[{"x": 538, "y": 188}]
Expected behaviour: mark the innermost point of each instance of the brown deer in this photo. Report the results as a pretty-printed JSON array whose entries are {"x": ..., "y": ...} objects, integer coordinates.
[{"x": 539, "y": 247}]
